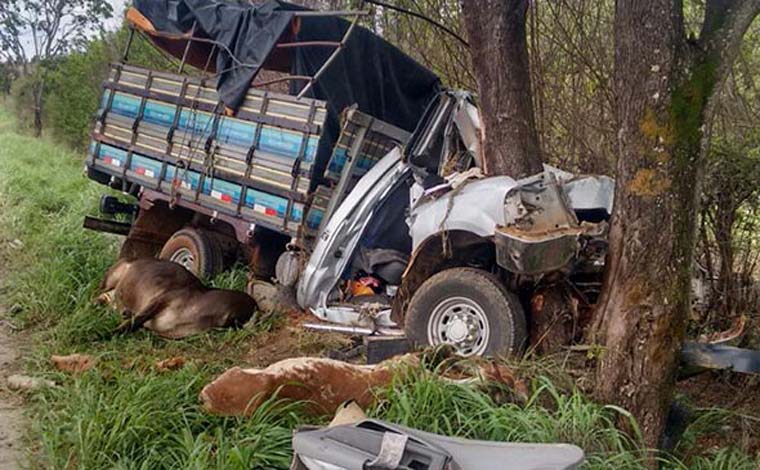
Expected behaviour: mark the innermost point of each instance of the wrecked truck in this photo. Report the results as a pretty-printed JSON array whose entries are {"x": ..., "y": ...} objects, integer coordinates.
[{"x": 360, "y": 190}]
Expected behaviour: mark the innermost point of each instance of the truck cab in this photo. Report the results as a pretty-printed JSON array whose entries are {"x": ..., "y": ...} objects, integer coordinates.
[{"x": 449, "y": 255}]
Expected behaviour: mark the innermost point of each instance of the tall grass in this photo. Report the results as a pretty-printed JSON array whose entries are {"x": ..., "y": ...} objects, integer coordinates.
[
  {"x": 122, "y": 414},
  {"x": 125, "y": 414},
  {"x": 112, "y": 418}
]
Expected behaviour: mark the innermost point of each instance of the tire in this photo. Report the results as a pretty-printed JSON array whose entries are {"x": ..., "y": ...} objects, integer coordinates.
[
  {"x": 196, "y": 250},
  {"x": 470, "y": 309}
]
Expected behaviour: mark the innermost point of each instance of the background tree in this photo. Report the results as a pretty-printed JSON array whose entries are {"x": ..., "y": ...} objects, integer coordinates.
[
  {"x": 37, "y": 31},
  {"x": 8, "y": 74},
  {"x": 75, "y": 85},
  {"x": 571, "y": 54},
  {"x": 730, "y": 208},
  {"x": 432, "y": 46},
  {"x": 497, "y": 35},
  {"x": 665, "y": 83}
]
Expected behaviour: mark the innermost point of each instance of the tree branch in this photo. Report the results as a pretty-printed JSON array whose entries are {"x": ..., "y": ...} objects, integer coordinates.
[{"x": 723, "y": 28}]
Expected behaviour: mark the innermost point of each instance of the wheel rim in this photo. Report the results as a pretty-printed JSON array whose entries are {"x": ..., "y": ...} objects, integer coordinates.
[
  {"x": 184, "y": 258},
  {"x": 462, "y": 323}
]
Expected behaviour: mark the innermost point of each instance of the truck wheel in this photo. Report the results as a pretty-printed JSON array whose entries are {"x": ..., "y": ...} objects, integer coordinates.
[
  {"x": 469, "y": 309},
  {"x": 196, "y": 250}
]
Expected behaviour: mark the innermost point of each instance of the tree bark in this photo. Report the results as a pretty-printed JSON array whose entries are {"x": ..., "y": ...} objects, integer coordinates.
[
  {"x": 664, "y": 87},
  {"x": 497, "y": 36},
  {"x": 724, "y": 222},
  {"x": 39, "y": 94}
]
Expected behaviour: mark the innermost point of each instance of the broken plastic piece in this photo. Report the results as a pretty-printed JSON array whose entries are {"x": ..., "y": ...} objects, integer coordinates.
[{"x": 373, "y": 444}]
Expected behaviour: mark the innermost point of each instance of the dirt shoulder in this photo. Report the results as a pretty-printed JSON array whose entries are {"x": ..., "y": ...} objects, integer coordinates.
[{"x": 12, "y": 421}]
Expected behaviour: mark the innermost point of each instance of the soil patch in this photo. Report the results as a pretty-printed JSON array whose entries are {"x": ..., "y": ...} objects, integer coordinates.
[
  {"x": 737, "y": 393},
  {"x": 12, "y": 423},
  {"x": 291, "y": 339}
]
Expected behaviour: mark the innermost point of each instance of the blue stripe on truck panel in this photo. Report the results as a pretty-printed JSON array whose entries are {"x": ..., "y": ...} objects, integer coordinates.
[
  {"x": 197, "y": 122},
  {"x": 338, "y": 160},
  {"x": 314, "y": 218},
  {"x": 188, "y": 177},
  {"x": 231, "y": 131},
  {"x": 279, "y": 205},
  {"x": 112, "y": 156},
  {"x": 225, "y": 191},
  {"x": 159, "y": 113},
  {"x": 287, "y": 143},
  {"x": 275, "y": 147},
  {"x": 145, "y": 166},
  {"x": 154, "y": 113},
  {"x": 236, "y": 132},
  {"x": 125, "y": 105}
]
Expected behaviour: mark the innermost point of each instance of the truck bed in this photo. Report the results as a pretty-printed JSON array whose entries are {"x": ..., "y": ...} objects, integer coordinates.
[{"x": 168, "y": 133}]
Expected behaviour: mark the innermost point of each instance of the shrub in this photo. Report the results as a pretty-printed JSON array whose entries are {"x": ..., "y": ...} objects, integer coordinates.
[
  {"x": 74, "y": 94},
  {"x": 75, "y": 84},
  {"x": 22, "y": 97}
]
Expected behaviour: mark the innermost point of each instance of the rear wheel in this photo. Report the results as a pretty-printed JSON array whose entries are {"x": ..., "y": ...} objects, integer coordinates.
[
  {"x": 469, "y": 309},
  {"x": 195, "y": 249}
]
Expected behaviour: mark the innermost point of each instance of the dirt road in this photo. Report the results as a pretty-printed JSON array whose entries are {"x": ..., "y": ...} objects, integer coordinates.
[{"x": 11, "y": 411}]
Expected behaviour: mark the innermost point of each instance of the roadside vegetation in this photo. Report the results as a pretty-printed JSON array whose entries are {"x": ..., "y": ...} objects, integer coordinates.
[
  {"x": 127, "y": 413},
  {"x": 124, "y": 413}
]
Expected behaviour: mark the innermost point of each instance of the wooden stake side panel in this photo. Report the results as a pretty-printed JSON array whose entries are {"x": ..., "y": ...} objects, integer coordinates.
[
  {"x": 169, "y": 133},
  {"x": 376, "y": 145}
]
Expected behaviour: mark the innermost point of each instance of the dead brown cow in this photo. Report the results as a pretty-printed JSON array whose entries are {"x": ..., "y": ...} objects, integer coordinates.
[
  {"x": 169, "y": 300},
  {"x": 326, "y": 383},
  {"x": 323, "y": 383}
]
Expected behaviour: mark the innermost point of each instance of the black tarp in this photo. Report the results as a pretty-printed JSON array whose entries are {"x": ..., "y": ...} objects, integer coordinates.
[
  {"x": 370, "y": 72},
  {"x": 247, "y": 32}
]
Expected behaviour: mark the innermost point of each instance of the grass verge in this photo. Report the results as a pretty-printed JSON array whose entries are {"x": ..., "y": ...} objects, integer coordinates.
[{"x": 126, "y": 414}]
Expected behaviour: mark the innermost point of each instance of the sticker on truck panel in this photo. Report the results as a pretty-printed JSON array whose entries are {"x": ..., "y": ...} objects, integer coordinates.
[
  {"x": 112, "y": 156},
  {"x": 145, "y": 166},
  {"x": 222, "y": 190}
]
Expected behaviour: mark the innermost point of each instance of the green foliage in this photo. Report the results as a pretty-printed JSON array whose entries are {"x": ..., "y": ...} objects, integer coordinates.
[
  {"x": 123, "y": 414},
  {"x": 8, "y": 74},
  {"x": 117, "y": 418},
  {"x": 548, "y": 416},
  {"x": 57, "y": 27},
  {"x": 235, "y": 278},
  {"x": 733, "y": 166},
  {"x": 724, "y": 459},
  {"x": 22, "y": 98},
  {"x": 75, "y": 93},
  {"x": 75, "y": 84}
]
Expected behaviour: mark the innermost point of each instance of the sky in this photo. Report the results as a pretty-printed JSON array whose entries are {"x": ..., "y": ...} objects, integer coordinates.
[
  {"x": 110, "y": 25},
  {"x": 118, "y": 13}
]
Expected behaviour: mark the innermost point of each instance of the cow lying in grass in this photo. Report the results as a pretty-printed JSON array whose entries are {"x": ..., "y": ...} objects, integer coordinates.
[
  {"x": 324, "y": 384},
  {"x": 169, "y": 300}
]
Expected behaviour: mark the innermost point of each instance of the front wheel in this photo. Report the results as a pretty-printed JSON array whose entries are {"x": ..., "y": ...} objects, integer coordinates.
[{"x": 469, "y": 309}]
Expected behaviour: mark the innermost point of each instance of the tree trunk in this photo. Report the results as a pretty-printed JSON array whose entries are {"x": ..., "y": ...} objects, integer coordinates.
[
  {"x": 664, "y": 86},
  {"x": 724, "y": 238},
  {"x": 39, "y": 90},
  {"x": 496, "y": 31}
]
